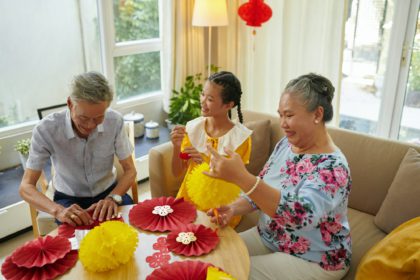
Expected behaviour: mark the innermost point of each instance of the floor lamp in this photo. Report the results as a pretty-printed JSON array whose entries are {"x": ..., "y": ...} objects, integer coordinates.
[{"x": 210, "y": 13}]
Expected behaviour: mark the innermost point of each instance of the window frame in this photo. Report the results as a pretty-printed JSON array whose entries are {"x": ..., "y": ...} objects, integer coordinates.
[
  {"x": 397, "y": 69},
  {"x": 111, "y": 49}
]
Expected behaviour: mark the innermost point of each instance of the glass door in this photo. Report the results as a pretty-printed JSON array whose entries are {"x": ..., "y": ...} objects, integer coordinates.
[
  {"x": 367, "y": 40},
  {"x": 409, "y": 126}
]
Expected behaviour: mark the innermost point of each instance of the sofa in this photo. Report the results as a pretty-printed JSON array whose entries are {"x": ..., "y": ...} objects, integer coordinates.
[{"x": 373, "y": 163}]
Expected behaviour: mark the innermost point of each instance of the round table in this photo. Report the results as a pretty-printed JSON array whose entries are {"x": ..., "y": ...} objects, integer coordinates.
[{"x": 230, "y": 254}]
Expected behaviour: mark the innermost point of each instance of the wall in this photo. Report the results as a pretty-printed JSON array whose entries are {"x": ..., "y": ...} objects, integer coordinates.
[{"x": 152, "y": 110}]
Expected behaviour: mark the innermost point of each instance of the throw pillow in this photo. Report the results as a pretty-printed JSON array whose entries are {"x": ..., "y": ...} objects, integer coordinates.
[
  {"x": 260, "y": 139},
  {"x": 401, "y": 202},
  {"x": 397, "y": 256}
]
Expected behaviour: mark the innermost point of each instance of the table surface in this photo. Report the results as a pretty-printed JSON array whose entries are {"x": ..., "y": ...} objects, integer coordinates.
[{"x": 230, "y": 254}]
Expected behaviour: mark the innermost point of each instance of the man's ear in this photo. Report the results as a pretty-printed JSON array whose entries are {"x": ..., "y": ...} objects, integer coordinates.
[{"x": 69, "y": 103}]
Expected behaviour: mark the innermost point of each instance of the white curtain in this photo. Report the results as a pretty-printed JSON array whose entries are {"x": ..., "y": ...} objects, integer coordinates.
[
  {"x": 302, "y": 36},
  {"x": 183, "y": 46}
]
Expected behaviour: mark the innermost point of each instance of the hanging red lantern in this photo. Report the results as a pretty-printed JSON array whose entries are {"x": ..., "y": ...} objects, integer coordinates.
[{"x": 255, "y": 12}]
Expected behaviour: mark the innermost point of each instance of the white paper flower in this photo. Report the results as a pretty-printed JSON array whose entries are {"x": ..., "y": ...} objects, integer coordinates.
[
  {"x": 162, "y": 210},
  {"x": 186, "y": 237}
]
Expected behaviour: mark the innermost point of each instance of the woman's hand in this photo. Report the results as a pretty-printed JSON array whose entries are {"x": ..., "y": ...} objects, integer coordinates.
[
  {"x": 177, "y": 134},
  {"x": 194, "y": 154},
  {"x": 231, "y": 169},
  {"x": 221, "y": 215}
]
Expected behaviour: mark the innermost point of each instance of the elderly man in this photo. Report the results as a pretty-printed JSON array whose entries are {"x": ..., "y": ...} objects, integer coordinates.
[{"x": 81, "y": 143}]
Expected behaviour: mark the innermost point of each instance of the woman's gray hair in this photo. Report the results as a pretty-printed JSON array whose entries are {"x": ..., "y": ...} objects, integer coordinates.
[
  {"x": 92, "y": 87},
  {"x": 314, "y": 90}
]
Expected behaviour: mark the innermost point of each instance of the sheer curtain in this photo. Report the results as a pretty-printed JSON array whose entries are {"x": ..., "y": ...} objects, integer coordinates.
[
  {"x": 185, "y": 51},
  {"x": 302, "y": 36}
]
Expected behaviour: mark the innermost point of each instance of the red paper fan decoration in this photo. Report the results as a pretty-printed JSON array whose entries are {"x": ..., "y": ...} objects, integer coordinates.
[
  {"x": 49, "y": 271},
  {"x": 206, "y": 240},
  {"x": 255, "y": 12},
  {"x": 67, "y": 230},
  {"x": 169, "y": 213},
  {"x": 41, "y": 251},
  {"x": 186, "y": 270}
]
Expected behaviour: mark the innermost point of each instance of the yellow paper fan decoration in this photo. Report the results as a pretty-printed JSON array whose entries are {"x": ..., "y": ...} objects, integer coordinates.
[
  {"x": 213, "y": 273},
  {"x": 108, "y": 246},
  {"x": 207, "y": 192}
]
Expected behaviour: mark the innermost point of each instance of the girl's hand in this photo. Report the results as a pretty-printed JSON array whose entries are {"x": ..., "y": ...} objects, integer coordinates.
[
  {"x": 177, "y": 134},
  {"x": 194, "y": 154}
]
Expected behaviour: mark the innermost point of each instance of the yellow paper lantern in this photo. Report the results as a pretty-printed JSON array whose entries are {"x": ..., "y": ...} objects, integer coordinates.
[
  {"x": 213, "y": 273},
  {"x": 108, "y": 246},
  {"x": 207, "y": 192}
]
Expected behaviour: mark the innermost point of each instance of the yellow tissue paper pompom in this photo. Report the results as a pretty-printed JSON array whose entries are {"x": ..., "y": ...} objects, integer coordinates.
[
  {"x": 207, "y": 192},
  {"x": 213, "y": 273},
  {"x": 108, "y": 246}
]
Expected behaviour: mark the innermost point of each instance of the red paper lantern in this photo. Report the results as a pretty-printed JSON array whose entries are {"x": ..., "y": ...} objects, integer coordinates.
[{"x": 255, "y": 12}]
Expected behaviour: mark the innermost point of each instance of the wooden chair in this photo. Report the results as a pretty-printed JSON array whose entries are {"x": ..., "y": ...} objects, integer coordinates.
[{"x": 43, "y": 223}]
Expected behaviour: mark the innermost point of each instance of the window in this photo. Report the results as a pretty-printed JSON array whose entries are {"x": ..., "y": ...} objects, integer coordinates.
[
  {"x": 379, "y": 86},
  {"x": 44, "y": 44},
  {"x": 43, "y": 50},
  {"x": 132, "y": 46}
]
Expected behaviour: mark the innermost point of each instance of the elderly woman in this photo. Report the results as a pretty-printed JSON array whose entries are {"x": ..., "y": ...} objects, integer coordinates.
[{"x": 302, "y": 192}]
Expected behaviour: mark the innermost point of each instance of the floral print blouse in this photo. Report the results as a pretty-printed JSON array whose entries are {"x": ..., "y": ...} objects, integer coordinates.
[{"x": 311, "y": 218}]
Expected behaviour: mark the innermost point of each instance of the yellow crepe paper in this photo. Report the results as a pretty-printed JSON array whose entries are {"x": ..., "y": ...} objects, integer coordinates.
[
  {"x": 108, "y": 246},
  {"x": 213, "y": 273},
  {"x": 207, "y": 192}
]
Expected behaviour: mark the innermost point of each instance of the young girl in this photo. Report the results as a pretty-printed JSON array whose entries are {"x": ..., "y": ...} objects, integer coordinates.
[{"x": 221, "y": 93}]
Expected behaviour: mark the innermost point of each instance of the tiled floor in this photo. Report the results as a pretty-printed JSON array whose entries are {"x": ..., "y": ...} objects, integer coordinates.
[{"x": 7, "y": 247}]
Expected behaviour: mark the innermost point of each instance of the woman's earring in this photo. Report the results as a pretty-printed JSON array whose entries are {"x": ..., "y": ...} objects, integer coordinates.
[{"x": 316, "y": 121}]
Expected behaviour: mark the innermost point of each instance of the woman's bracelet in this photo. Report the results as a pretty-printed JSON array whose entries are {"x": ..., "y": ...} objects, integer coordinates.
[{"x": 254, "y": 187}]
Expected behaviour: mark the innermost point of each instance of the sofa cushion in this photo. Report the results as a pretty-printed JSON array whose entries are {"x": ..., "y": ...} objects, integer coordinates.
[
  {"x": 364, "y": 234},
  {"x": 397, "y": 256},
  {"x": 260, "y": 144},
  {"x": 401, "y": 202}
]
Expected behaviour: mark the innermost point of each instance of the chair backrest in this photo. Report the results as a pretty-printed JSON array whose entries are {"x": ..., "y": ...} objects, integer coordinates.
[
  {"x": 42, "y": 112},
  {"x": 43, "y": 185}
]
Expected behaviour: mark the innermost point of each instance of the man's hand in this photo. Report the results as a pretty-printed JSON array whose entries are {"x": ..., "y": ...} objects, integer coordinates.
[
  {"x": 104, "y": 209},
  {"x": 74, "y": 215}
]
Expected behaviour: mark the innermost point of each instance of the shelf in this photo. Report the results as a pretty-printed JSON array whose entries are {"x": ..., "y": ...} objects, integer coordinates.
[{"x": 10, "y": 178}]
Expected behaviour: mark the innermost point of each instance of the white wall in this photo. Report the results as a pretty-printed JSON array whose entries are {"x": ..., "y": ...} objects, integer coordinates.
[{"x": 9, "y": 157}]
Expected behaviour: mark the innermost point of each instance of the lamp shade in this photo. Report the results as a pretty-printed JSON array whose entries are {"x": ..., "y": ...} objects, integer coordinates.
[{"x": 210, "y": 13}]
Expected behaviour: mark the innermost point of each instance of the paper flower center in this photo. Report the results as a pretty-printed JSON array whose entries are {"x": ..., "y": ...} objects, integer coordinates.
[
  {"x": 186, "y": 237},
  {"x": 162, "y": 210}
]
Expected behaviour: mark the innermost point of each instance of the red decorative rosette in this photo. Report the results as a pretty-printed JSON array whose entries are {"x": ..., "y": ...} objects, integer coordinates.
[
  {"x": 41, "y": 251},
  {"x": 205, "y": 240},
  {"x": 49, "y": 271},
  {"x": 67, "y": 230},
  {"x": 184, "y": 270},
  {"x": 162, "y": 214}
]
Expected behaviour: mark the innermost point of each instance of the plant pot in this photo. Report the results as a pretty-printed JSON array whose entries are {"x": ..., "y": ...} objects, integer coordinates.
[{"x": 23, "y": 160}]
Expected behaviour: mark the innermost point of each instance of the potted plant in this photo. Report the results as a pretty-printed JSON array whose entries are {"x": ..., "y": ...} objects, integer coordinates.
[
  {"x": 185, "y": 103},
  {"x": 22, "y": 146}
]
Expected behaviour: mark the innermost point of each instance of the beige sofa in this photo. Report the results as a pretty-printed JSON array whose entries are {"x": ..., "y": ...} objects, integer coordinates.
[{"x": 373, "y": 164}]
